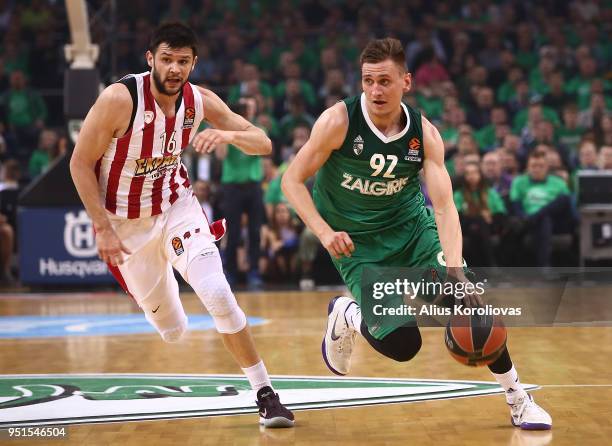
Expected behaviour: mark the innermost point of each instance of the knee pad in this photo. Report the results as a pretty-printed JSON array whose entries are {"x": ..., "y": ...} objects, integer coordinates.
[
  {"x": 213, "y": 290},
  {"x": 170, "y": 321},
  {"x": 175, "y": 333}
]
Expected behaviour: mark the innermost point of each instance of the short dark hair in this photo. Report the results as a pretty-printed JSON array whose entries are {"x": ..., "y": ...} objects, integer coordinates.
[
  {"x": 380, "y": 50},
  {"x": 176, "y": 35},
  {"x": 537, "y": 155}
]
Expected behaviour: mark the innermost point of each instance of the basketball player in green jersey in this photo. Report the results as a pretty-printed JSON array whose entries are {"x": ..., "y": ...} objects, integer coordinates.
[{"x": 368, "y": 210}]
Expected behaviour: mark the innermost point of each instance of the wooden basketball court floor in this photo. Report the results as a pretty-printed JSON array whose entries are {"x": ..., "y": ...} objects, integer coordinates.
[{"x": 571, "y": 364}]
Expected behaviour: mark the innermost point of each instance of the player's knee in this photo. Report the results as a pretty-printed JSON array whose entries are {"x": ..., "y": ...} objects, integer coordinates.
[
  {"x": 174, "y": 334},
  {"x": 405, "y": 352},
  {"x": 166, "y": 315},
  {"x": 216, "y": 295},
  {"x": 400, "y": 345}
]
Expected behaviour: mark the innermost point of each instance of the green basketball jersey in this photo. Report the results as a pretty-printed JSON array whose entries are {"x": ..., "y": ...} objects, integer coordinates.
[{"x": 371, "y": 182}]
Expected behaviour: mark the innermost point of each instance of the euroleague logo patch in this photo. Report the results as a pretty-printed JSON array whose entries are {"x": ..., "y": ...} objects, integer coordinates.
[
  {"x": 414, "y": 144},
  {"x": 189, "y": 118},
  {"x": 177, "y": 245}
]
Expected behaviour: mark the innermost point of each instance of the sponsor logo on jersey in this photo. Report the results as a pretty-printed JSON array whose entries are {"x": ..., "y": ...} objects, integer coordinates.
[
  {"x": 413, "y": 158},
  {"x": 358, "y": 145},
  {"x": 189, "y": 118},
  {"x": 146, "y": 166},
  {"x": 177, "y": 245},
  {"x": 37, "y": 400},
  {"x": 376, "y": 188},
  {"x": 148, "y": 117}
]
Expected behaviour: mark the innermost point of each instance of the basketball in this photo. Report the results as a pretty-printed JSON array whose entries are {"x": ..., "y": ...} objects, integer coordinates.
[{"x": 475, "y": 340}]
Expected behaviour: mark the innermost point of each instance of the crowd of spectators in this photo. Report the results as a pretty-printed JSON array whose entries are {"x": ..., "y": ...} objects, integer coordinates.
[{"x": 521, "y": 92}]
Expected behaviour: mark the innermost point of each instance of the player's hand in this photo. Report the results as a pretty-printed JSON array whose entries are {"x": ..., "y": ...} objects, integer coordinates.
[
  {"x": 338, "y": 244},
  {"x": 471, "y": 298},
  {"x": 110, "y": 248},
  {"x": 207, "y": 140}
]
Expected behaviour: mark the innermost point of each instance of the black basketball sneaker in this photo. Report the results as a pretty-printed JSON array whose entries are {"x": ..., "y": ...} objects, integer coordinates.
[{"x": 271, "y": 412}]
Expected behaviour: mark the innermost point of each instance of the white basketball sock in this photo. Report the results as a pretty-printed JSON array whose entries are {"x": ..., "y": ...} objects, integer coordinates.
[
  {"x": 353, "y": 317},
  {"x": 257, "y": 376},
  {"x": 511, "y": 384}
]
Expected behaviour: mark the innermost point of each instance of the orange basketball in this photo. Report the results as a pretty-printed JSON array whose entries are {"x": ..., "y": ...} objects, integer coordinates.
[{"x": 475, "y": 340}]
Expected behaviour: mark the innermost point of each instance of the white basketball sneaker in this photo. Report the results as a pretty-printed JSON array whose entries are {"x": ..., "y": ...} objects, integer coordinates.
[
  {"x": 526, "y": 414},
  {"x": 339, "y": 338}
]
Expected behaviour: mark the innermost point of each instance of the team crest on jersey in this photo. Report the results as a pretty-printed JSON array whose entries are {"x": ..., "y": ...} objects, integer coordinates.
[
  {"x": 358, "y": 145},
  {"x": 177, "y": 245},
  {"x": 189, "y": 118},
  {"x": 148, "y": 117}
]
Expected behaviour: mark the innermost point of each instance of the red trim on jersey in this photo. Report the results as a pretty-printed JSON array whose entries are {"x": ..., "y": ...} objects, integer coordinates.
[
  {"x": 97, "y": 168},
  {"x": 121, "y": 151},
  {"x": 183, "y": 173},
  {"x": 146, "y": 150},
  {"x": 188, "y": 102},
  {"x": 156, "y": 197},
  {"x": 119, "y": 278}
]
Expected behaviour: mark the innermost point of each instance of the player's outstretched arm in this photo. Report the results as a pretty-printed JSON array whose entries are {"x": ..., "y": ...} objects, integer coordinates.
[
  {"x": 229, "y": 128},
  {"x": 108, "y": 118},
  {"x": 327, "y": 135}
]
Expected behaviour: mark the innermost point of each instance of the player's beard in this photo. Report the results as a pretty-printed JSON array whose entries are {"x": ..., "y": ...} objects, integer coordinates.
[{"x": 159, "y": 84}]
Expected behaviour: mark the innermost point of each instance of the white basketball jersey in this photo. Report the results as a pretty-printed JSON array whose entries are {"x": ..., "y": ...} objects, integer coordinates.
[{"x": 141, "y": 173}]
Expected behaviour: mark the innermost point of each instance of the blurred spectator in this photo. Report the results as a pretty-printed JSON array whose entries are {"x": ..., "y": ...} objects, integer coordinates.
[
  {"x": 297, "y": 116},
  {"x": 490, "y": 55},
  {"x": 555, "y": 162},
  {"x": 201, "y": 189},
  {"x": 335, "y": 84},
  {"x": 425, "y": 38},
  {"x": 36, "y": 16},
  {"x": 279, "y": 243},
  {"x": 459, "y": 51},
  {"x": 509, "y": 162},
  {"x": 251, "y": 85},
  {"x": 488, "y": 136},
  {"x": 48, "y": 149},
  {"x": 526, "y": 56},
  {"x": 543, "y": 201},
  {"x": 25, "y": 111},
  {"x": 493, "y": 173},
  {"x": 431, "y": 71},
  {"x": 242, "y": 194},
  {"x": 605, "y": 157},
  {"x": 452, "y": 118},
  {"x": 4, "y": 81},
  {"x": 587, "y": 156},
  {"x": 293, "y": 87},
  {"x": 7, "y": 242},
  {"x": 206, "y": 69},
  {"x": 556, "y": 97},
  {"x": 540, "y": 76},
  {"x": 9, "y": 191},
  {"x": 570, "y": 133},
  {"x": 480, "y": 208},
  {"x": 597, "y": 109}
]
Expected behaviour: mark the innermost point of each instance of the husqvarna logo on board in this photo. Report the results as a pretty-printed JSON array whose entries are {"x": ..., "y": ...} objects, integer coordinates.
[{"x": 79, "y": 238}]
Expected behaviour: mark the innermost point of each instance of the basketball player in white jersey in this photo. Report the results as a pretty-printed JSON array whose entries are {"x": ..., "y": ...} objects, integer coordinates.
[{"x": 127, "y": 169}]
